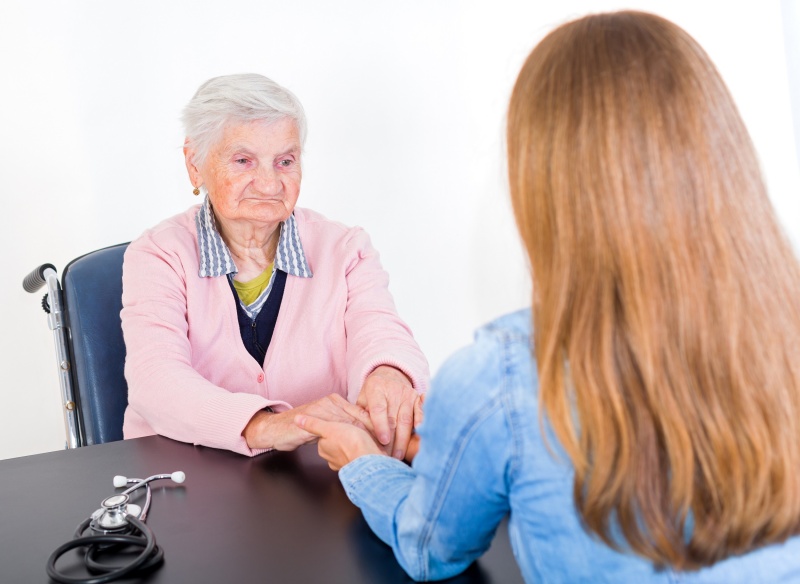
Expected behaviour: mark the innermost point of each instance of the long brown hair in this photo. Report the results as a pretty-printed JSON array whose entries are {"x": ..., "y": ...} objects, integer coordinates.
[{"x": 666, "y": 298}]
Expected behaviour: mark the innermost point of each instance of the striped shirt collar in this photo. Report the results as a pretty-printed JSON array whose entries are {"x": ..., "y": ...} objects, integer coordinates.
[{"x": 216, "y": 259}]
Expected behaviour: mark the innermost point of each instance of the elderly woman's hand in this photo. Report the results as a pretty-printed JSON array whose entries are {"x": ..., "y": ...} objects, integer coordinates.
[
  {"x": 278, "y": 430},
  {"x": 388, "y": 396}
]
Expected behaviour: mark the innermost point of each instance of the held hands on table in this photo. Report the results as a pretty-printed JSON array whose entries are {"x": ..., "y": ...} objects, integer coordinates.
[
  {"x": 381, "y": 421},
  {"x": 340, "y": 442}
]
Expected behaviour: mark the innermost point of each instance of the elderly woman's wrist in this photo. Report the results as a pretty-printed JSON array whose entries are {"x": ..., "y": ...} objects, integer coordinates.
[
  {"x": 391, "y": 371},
  {"x": 255, "y": 430}
]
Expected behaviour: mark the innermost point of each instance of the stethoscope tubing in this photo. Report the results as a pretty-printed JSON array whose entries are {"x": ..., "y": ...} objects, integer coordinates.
[{"x": 147, "y": 540}]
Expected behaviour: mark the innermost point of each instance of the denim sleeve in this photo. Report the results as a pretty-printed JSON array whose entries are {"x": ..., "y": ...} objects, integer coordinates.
[{"x": 441, "y": 514}]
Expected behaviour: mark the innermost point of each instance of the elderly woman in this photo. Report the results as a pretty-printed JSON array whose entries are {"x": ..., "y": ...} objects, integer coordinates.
[
  {"x": 655, "y": 437},
  {"x": 244, "y": 310}
]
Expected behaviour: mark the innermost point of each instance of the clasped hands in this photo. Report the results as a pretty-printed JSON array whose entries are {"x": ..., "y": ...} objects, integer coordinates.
[{"x": 380, "y": 422}]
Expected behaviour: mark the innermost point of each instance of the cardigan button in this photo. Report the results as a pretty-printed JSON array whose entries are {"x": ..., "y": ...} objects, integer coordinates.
[{"x": 260, "y": 377}]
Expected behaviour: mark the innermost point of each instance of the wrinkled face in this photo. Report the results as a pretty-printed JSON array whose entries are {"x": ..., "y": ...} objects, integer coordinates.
[{"x": 252, "y": 173}]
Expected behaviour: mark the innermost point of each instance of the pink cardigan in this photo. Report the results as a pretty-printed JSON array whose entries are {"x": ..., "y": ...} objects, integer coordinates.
[{"x": 189, "y": 375}]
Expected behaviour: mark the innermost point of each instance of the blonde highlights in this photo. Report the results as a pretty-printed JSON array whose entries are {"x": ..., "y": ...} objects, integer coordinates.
[{"x": 666, "y": 298}]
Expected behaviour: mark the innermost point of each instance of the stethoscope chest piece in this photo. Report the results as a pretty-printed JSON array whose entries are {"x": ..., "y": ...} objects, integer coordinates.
[{"x": 113, "y": 515}]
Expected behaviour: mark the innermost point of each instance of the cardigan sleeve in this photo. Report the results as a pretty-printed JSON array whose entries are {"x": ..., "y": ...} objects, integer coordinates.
[
  {"x": 375, "y": 333},
  {"x": 163, "y": 387}
]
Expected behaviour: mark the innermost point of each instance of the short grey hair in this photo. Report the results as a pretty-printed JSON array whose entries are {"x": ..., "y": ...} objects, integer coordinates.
[{"x": 242, "y": 97}]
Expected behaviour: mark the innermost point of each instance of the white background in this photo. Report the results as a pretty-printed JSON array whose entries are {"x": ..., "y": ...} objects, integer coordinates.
[{"x": 406, "y": 103}]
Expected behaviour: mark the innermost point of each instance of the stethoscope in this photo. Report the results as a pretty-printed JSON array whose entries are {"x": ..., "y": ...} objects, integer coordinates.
[{"x": 117, "y": 525}]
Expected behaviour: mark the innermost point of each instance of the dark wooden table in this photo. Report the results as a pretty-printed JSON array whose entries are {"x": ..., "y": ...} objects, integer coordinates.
[{"x": 278, "y": 518}]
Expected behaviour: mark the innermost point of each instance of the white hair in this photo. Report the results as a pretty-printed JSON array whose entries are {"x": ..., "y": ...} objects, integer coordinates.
[{"x": 237, "y": 98}]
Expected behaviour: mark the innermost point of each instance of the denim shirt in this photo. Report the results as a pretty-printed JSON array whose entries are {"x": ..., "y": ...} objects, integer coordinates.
[{"x": 482, "y": 457}]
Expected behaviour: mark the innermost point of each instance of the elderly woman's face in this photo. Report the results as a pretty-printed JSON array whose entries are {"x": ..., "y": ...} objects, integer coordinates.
[{"x": 252, "y": 173}]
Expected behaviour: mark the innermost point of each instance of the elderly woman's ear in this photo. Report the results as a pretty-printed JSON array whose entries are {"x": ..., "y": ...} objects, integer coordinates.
[{"x": 194, "y": 172}]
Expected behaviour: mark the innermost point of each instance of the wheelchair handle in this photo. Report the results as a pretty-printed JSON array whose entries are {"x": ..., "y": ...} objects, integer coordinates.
[{"x": 36, "y": 279}]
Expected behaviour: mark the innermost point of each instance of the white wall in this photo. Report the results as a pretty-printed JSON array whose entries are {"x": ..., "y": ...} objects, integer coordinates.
[
  {"x": 791, "y": 34},
  {"x": 405, "y": 103}
]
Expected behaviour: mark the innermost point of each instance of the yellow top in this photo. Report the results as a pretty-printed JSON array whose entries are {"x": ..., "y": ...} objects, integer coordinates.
[{"x": 250, "y": 291}]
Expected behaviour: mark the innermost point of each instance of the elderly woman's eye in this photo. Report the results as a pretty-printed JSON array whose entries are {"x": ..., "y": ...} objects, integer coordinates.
[
  {"x": 241, "y": 161},
  {"x": 286, "y": 162}
]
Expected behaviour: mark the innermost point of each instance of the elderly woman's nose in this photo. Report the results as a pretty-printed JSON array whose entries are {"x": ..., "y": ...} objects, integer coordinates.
[{"x": 266, "y": 178}]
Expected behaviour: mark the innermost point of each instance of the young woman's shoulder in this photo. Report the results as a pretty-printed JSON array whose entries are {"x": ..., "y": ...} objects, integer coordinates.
[{"x": 477, "y": 374}]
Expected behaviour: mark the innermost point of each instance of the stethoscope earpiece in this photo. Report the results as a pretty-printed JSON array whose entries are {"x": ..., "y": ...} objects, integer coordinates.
[{"x": 112, "y": 517}]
